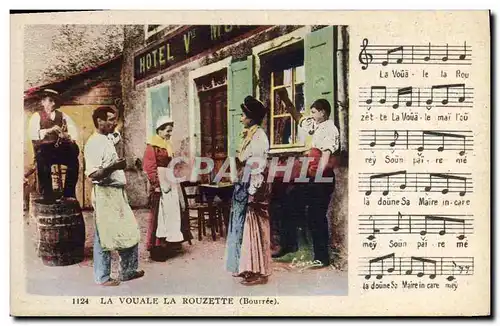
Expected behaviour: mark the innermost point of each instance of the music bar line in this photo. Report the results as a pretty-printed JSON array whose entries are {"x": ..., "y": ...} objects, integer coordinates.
[
  {"x": 414, "y": 54},
  {"x": 390, "y": 265},
  {"x": 445, "y": 95},
  {"x": 421, "y": 224},
  {"x": 402, "y": 181},
  {"x": 420, "y": 140}
]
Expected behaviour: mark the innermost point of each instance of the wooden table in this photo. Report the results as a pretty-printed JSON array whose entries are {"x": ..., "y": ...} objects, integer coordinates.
[{"x": 224, "y": 191}]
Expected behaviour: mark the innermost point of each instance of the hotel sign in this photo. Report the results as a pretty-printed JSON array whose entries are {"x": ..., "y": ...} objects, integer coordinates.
[{"x": 185, "y": 44}]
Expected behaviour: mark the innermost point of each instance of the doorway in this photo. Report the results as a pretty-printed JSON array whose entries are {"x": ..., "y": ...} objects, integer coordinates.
[{"x": 212, "y": 93}]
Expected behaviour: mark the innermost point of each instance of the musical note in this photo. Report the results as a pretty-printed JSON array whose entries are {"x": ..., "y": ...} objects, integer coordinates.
[
  {"x": 447, "y": 177},
  {"x": 396, "y": 136},
  {"x": 414, "y": 54},
  {"x": 428, "y": 57},
  {"x": 461, "y": 236},
  {"x": 445, "y": 58},
  {"x": 422, "y": 147},
  {"x": 429, "y": 187},
  {"x": 377, "y": 88},
  {"x": 449, "y": 220},
  {"x": 444, "y": 135},
  {"x": 400, "y": 181},
  {"x": 375, "y": 230},
  {"x": 391, "y": 51},
  {"x": 425, "y": 261},
  {"x": 403, "y": 185},
  {"x": 385, "y": 175},
  {"x": 410, "y": 271},
  {"x": 452, "y": 277},
  {"x": 449, "y": 95},
  {"x": 404, "y": 91},
  {"x": 417, "y": 224},
  {"x": 398, "y": 227},
  {"x": 450, "y": 267},
  {"x": 462, "y": 152},
  {"x": 437, "y": 218},
  {"x": 424, "y": 231},
  {"x": 364, "y": 57},
  {"x": 460, "y": 141},
  {"x": 443, "y": 231},
  {"x": 381, "y": 270},
  {"x": 374, "y": 142},
  {"x": 445, "y": 100},
  {"x": 462, "y": 56}
]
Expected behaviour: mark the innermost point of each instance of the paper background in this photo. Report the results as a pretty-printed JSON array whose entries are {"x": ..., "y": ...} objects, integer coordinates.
[{"x": 472, "y": 299}]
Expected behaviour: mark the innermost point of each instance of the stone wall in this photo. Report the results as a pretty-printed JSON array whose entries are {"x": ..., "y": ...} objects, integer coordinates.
[{"x": 134, "y": 101}]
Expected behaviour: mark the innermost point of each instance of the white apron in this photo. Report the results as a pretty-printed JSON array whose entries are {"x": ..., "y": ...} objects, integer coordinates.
[
  {"x": 169, "y": 211},
  {"x": 115, "y": 221}
]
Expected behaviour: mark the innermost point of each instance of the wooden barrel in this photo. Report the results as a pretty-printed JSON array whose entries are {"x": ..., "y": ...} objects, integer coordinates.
[
  {"x": 33, "y": 197},
  {"x": 61, "y": 232}
]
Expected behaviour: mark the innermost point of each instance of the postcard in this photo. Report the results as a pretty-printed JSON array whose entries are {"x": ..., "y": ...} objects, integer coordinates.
[{"x": 250, "y": 163}]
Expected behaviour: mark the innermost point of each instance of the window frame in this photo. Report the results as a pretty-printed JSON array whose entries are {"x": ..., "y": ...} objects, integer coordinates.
[
  {"x": 148, "y": 34},
  {"x": 149, "y": 115},
  {"x": 272, "y": 88}
]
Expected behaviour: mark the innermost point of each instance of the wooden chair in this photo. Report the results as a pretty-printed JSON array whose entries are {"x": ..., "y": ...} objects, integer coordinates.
[
  {"x": 58, "y": 172},
  {"x": 193, "y": 201},
  {"x": 222, "y": 211}
]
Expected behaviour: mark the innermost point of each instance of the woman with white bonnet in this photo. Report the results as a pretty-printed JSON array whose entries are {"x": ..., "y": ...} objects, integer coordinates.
[{"x": 164, "y": 227}]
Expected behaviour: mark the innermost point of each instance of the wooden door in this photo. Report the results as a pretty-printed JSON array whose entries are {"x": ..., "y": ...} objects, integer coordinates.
[
  {"x": 240, "y": 83},
  {"x": 213, "y": 113}
]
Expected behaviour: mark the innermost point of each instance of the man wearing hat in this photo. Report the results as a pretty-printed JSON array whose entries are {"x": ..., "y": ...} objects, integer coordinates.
[{"x": 53, "y": 135}]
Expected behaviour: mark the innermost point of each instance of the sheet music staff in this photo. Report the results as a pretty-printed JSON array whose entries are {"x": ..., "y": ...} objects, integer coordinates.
[
  {"x": 401, "y": 181},
  {"x": 443, "y": 95},
  {"x": 414, "y": 54},
  {"x": 460, "y": 141},
  {"x": 390, "y": 265},
  {"x": 422, "y": 224}
]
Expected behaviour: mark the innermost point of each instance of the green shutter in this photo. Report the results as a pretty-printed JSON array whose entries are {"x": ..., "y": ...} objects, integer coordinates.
[
  {"x": 159, "y": 105},
  {"x": 240, "y": 85},
  {"x": 318, "y": 61}
]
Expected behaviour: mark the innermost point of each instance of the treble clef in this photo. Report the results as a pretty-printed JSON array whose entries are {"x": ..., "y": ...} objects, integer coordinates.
[{"x": 364, "y": 57}]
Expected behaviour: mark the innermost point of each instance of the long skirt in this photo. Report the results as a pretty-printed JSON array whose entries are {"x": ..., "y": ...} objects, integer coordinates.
[
  {"x": 151, "y": 239},
  {"x": 235, "y": 228},
  {"x": 165, "y": 224},
  {"x": 248, "y": 246},
  {"x": 256, "y": 246}
]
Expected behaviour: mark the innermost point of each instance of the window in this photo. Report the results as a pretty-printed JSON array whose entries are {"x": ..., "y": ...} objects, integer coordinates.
[
  {"x": 150, "y": 30},
  {"x": 158, "y": 104},
  {"x": 283, "y": 68},
  {"x": 284, "y": 130}
]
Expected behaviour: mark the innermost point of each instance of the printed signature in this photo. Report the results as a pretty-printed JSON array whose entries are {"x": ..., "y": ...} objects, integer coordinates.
[{"x": 301, "y": 264}]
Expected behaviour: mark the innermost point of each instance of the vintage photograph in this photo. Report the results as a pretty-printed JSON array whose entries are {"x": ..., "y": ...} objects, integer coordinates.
[{"x": 186, "y": 160}]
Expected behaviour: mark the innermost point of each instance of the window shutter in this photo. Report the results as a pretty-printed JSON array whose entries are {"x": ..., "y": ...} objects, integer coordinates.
[
  {"x": 159, "y": 105},
  {"x": 318, "y": 61},
  {"x": 240, "y": 85}
]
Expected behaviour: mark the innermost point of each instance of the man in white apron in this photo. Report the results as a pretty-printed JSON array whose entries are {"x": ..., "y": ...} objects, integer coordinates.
[{"x": 115, "y": 224}]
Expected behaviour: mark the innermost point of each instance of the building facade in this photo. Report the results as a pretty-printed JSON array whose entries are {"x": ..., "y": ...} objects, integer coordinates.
[{"x": 200, "y": 74}]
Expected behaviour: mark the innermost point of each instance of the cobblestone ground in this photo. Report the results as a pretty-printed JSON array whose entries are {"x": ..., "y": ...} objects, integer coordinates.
[{"x": 197, "y": 270}]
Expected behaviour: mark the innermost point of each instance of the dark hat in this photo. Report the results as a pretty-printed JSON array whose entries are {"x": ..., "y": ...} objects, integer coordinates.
[
  {"x": 51, "y": 93},
  {"x": 253, "y": 108}
]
